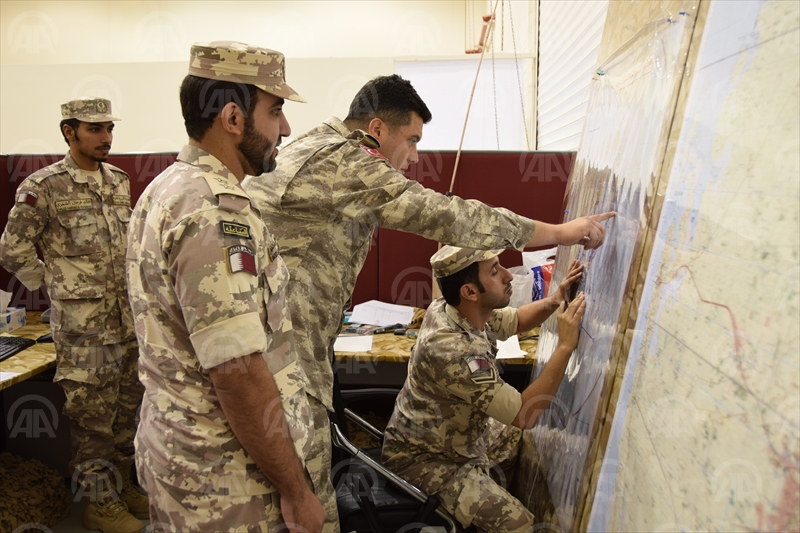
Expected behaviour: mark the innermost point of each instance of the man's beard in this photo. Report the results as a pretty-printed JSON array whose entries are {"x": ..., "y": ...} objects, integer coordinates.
[
  {"x": 95, "y": 158},
  {"x": 257, "y": 149}
]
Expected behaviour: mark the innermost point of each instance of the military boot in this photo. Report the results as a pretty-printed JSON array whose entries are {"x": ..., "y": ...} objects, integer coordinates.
[
  {"x": 111, "y": 517},
  {"x": 137, "y": 502}
]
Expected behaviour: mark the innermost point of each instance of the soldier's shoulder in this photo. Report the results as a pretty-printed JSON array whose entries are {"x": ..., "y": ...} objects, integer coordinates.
[
  {"x": 116, "y": 170},
  {"x": 54, "y": 170}
]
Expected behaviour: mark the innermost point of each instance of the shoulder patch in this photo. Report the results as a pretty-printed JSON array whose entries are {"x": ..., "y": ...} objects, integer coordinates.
[
  {"x": 480, "y": 369},
  {"x": 240, "y": 258},
  {"x": 27, "y": 197},
  {"x": 373, "y": 152},
  {"x": 234, "y": 229}
]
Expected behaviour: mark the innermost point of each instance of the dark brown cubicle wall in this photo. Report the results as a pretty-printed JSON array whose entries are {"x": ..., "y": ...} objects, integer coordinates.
[{"x": 397, "y": 269}]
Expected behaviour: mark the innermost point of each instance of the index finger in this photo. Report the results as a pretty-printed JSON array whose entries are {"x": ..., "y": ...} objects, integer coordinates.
[{"x": 603, "y": 216}]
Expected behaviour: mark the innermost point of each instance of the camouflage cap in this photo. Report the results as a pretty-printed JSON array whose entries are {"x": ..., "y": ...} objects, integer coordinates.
[
  {"x": 88, "y": 110},
  {"x": 451, "y": 259},
  {"x": 242, "y": 63}
]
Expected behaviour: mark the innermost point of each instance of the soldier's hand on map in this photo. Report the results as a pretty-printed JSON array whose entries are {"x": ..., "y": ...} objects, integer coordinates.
[
  {"x": 586, "y": 231},
  {"x": 305, "y": 515},
  {"x": 575, "y": 271},
  {"x": 569, "y": 322}
]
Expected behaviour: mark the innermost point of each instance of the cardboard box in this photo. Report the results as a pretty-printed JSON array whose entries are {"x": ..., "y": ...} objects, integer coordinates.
[{"x": 12, "y": 319}]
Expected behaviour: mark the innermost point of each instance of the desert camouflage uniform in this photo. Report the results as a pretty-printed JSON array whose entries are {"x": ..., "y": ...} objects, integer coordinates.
[
  {"x": 80, "y": 224},
  {"x": 207, "y": 286},
  {"x": 330, "y": 191},
  {"x": 450, "y": 432}
]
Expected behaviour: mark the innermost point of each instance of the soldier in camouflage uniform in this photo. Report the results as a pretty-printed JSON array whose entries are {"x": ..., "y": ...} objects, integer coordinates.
[
  {"x": 225, "y": 424},
  {"x": 338, "y": 182},
  {"x": 455, "y": 430},
  {"x": 77, "y": 211}
]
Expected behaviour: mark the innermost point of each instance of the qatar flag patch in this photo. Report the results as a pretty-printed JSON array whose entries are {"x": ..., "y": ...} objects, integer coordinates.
[
  {"x": 240, "y": 259},
  {"x": 373, "y": 152},
  {"x": 27, "y": 197},
  {"x": 481, "y": 371}
]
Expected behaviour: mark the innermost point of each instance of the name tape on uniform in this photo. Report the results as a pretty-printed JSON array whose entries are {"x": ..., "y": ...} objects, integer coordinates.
[
  {"x": 120, "y": 199},
  {"x": 235, "y": 229},
  {"x": 72, "y": 205}
]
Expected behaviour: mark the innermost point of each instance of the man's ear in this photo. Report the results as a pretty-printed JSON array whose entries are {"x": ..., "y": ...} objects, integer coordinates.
[
  {"x": 377, "y": 127},
  {"x": 469, "y": 291},
  {"x": 69, "y": 133},
  {"x": 232, "y": 118}
]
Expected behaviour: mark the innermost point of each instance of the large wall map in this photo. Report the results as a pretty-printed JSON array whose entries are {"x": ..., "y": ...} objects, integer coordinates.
[
  {"x": 706, "y": 434},
  {"x": 631, "y": 105}
]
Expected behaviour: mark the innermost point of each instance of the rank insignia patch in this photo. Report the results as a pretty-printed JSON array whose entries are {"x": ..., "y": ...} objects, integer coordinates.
[
  {"x": 235, "y": 229},
  {"x": 373, "y": 152},
  {"x": 480, "y": 369},
  {"x": 240, "y": 259},
  {"x": 27, "y": 197}
]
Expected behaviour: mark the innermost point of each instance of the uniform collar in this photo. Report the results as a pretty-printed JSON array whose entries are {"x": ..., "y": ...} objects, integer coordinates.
[
  {"x": 462, "y": 321},
  {"x": 79, "y": 177},
  {"x": 359, "y": 135},
  {"x": 219, "y": 178}
]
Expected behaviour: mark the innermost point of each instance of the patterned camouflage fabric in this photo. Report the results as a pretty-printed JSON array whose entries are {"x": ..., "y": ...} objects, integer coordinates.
[
  {"x": 207, "y": 286},
  {"x": 450, "y": 432},
  {"x": 80, "y": 221},
  {"x": 323, "y": 202},
  {"x": 88, "y": 110},
  {"x": 242, "y": 63},
  {"x": 451, "y": 259}
]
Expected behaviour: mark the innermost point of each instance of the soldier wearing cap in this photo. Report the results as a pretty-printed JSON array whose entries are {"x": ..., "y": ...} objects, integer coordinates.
[
  {"x": 334, "y": 186},
  {"x": 455, "y": 429},
  {"x": 77, "y": 212},
  {"x": 225, "y": 424}
]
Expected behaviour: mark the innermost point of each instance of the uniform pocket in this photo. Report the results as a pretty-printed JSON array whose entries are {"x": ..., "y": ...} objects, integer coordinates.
[
  {"x": 277, "y": 276},
  {"x": 80, "y": 235},
  {"x": 78, "y": 311}
]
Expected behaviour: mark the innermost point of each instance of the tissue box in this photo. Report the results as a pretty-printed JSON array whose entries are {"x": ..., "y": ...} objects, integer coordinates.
[{"x": 12, "y": 319}]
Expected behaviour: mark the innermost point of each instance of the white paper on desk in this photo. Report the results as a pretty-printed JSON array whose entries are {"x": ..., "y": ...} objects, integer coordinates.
[
  {"x": 5, "y": 298},
  {"x": 382, "y": 314},
  {"x": 353, "y": 343},
  {"x": 8, "y": 375},
  {"x": 509, "y": 348}
]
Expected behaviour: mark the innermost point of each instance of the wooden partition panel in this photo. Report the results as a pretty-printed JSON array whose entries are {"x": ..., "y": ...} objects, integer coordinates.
[{"x": 531, "y": 184}]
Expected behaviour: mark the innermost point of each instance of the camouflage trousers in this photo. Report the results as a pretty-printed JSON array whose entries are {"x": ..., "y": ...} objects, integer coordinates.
[
  {"x": 103, "y": 394},
  {"x": 318, "y": 464},
  {"x": 474, "y": 493}
]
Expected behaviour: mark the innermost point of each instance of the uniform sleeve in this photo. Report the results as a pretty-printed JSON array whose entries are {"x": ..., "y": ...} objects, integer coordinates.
[
  {"x": 472, "y": 376},
  {"x": 216, "y": 281},
  {"x": 395, "y": 202},
  {"x": 504, "y": 322},
  {"x": 26, "y": 222}
]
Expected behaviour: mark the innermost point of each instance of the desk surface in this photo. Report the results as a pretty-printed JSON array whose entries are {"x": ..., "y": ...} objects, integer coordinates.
[
  {"x": 30, "y": 361},
  {"x": 397, "y": 349}
]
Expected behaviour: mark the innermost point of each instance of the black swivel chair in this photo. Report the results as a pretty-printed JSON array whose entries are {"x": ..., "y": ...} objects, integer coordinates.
[{"x": 371, "y": 498}]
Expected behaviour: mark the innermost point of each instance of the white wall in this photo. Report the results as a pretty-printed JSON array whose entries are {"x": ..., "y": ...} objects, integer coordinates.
[{"x": 136, "y": 53}]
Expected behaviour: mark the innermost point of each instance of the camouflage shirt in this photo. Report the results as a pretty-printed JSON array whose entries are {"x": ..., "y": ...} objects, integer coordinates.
[
  {"x": 80, "y": 225},
  {"x": 452, "y": 389},
  {"x": 207, "y": 286},
  {"x": 330, "y": 191}
]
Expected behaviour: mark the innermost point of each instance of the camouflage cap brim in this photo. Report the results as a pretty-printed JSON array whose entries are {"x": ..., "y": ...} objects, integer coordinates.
[
  {"x": 451, "y": 259},
  {"x": 282, "y": 91},
  {"x": 99, "y": 118}
]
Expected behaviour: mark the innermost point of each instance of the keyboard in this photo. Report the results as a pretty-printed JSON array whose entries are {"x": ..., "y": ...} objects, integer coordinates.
[{"x": 10, "y": 346}]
